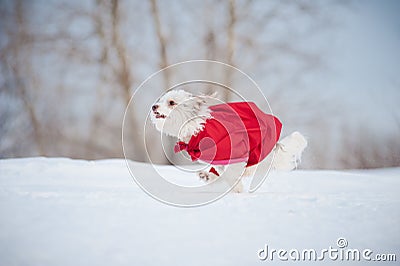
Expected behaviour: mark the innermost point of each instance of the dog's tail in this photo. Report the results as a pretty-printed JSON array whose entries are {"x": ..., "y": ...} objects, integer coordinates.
[{"x": 288, "y": 152}]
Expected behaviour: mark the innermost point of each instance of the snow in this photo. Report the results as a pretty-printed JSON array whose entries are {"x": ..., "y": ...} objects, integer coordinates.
[{"x": 72, "y": 212}]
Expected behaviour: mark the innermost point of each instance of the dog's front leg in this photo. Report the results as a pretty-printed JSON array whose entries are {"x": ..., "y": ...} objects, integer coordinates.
[
  {"x": 230, "y": 174},
  {"x": 233, "y": 175}
]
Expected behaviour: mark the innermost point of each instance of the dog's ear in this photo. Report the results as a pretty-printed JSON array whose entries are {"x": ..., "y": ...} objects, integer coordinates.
[
  {"x": 205, "y": 100},
  {"x": 198, "y": 102},
  {"x": 213, "y": 95},
  {"x": 201, "y": 101}
]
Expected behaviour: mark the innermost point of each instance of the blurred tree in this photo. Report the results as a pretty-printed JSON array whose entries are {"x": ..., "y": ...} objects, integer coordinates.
[
  {"x": 19, "y": 82},
  {"x": 69, "y": 68}
]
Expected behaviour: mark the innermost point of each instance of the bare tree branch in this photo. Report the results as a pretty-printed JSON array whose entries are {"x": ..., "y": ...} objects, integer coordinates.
[
  {"x": 232, "y": 19},
  {"x": 21, "y": 77},
  {"x": 161, "y": 41}
]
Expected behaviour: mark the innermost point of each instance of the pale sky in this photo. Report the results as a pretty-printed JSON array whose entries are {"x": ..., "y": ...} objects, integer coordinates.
[{"x": 363, "y": 78}]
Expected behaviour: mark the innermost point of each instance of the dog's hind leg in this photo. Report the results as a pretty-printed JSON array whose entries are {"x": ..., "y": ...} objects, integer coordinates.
[{"x": 288, "y": 152}]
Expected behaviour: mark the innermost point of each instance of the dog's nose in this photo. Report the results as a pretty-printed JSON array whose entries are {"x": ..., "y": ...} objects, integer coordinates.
[{"x": 154, "y": 107}]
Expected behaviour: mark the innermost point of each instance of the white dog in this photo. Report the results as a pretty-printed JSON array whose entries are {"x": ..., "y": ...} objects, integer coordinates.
[{"x": 195, "y": 120}]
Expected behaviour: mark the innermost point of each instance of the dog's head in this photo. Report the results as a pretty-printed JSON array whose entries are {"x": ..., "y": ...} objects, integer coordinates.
[{"x": 180, "y": 114}]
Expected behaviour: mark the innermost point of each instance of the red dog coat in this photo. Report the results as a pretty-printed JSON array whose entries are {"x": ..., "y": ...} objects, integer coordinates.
[{"x": 237, "y": 132}]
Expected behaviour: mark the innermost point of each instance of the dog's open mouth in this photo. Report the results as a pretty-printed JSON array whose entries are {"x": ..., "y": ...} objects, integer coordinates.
[{"x": 158, "y": 115}]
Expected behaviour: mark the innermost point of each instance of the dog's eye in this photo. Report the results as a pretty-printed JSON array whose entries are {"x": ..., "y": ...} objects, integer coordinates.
[{"x": 171, "y": 103}]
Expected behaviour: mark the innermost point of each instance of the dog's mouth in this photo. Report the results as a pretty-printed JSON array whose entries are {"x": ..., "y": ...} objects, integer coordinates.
[{"x": 158, "y": 115}]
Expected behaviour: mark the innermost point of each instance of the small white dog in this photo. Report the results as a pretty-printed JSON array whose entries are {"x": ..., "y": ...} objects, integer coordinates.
[{"x": 231, "y": 137}]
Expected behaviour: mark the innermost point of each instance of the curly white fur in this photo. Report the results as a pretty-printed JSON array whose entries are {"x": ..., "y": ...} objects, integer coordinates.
[{"x": 185, "y": 117}]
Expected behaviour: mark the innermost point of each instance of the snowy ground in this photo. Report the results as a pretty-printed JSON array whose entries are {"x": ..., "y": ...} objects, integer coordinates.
[{"x": 70, "y": 212}]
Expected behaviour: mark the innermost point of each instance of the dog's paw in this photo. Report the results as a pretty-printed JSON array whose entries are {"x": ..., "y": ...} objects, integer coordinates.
[
  {"x": 203, "y": 175},
  {"x": 207, "y": 176},
  {"x": 238, "y": 187}
]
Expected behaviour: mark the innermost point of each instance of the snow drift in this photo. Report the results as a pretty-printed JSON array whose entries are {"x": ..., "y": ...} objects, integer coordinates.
[{"x": 71, "y": 212}]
